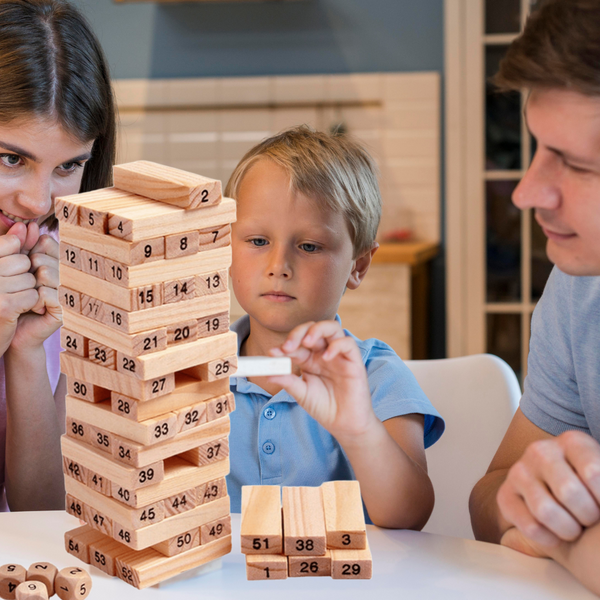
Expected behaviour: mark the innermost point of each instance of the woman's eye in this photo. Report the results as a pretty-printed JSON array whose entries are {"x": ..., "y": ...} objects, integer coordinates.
[
  {"x": 309, "y": 247},
  {"x": 69, "y": 167},
  {"x": 10, "y": 160},
  {"x": 259, "y": 242}
]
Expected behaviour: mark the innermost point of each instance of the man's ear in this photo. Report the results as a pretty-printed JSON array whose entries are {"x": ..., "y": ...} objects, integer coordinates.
[{"x": 360, "y": 267}]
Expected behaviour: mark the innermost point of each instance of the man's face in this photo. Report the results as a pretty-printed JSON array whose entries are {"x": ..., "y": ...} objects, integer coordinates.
[{"x": 563, "y": 181}]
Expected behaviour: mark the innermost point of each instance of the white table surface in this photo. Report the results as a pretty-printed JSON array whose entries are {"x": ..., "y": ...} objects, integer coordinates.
[{"x": 406, "y": 565}]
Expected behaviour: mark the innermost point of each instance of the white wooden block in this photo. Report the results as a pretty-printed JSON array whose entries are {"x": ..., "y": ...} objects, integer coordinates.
[{"x": 261, "y": 366}]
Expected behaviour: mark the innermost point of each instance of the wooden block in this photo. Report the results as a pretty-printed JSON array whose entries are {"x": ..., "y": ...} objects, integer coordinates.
[
  {"x": 167, "y": 184},
  {"x": 73, "y": 469},
  {"x": 187, "y": 331},
  {"x": 11, "y": 575},
  {"x": 178, "y": 503},
  {"x": 44, "y": 572},
  {"x": 128, "y": 253},
  {"x": 69, "y": 299},
  {"x": 214, "y": 369},
  {"x": 210, "y": 452},
  {"x": 116, "y": 273},
  {"x": 100, "y": 440},
  {"x": 92, "y": 308},
  {"x": 191, "y": 416},
  {"x": 98, "y": 483},
  {"x": 70, "y": 255},
  {"x": 94, "y": 518},
  {"x": 92, "y": 264},
  {"x": 351, "y": 564},
  {"x": 104, "y": 552},
  {"x": 77, "y": 542},
  {"x": 220, "y": 406},
  {"x": 266, "y": 566},
  {"x": 143, "y": 320},
  {"x": 187, "y": 393},
  {"x": 211, "y": 490},
  {"x": 260, "y": 366},
  {"x": 213, "y": 325},
  {"x": 147, "y": 296},
  {"x": 75, "y": 507},
  {"x": 118, "y": 473},
  {"x": 215, "y": 529},
  {"x": 138, "y": 539},
  {"x": 78, "y": 430},
  {"x": 95, "y": 220},
  {"x": 66, "y": 212},
  {"x": 344, "y": 516},
  {"x": 102, "y": 355},
  {"x": 178, "y": 290},
  {"x": 180, "y": 475},
  {"x": 211, "y": 283},
  {"x": 310, "y": 566},
  {"x": 179, "y": 543},
  {"x": 86, "y": 391},
  {"x": 261, "y": 525},
  {"x": 214, "y": 237},
  {"x": 73, "y": 583},
  {"x": 83, "y": 370},
  {"x": 73, "y": 342},
  {"x": 149, "y": 567},
  {"x": 135, "y": 454},
  {"x": 132, "y": 518},
  {"x": 147, "y": 432},
  {"x": 303, "y": 522},
  {"x": 182, "y": 244},
  {"x": 31, "y": 590}
]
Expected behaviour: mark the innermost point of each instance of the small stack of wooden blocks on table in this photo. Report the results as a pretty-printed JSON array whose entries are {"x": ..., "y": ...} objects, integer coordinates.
[
  {"x": 319, "y": 531},
  {"x": 148, "y": 354}
]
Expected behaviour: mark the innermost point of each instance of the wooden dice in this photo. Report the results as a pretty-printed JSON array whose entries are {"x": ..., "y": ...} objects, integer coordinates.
[
  {"x": 45, "y": 573},
  {"x": 31, "y": 590},
  {"x": 11, "y": 576},
  {"x": 72, "y": 583}
]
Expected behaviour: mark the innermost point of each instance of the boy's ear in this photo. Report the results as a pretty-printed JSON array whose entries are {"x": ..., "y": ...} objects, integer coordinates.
[{"x": 361, "y": 266}]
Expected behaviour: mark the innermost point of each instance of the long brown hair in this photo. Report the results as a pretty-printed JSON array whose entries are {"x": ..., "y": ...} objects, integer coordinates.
[
  {"x": 559, "y": 48},
  {"x": 52, "y": 65}
]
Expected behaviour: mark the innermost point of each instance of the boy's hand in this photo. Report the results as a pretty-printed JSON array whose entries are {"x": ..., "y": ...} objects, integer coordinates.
[{"x": 333, "y": 387}]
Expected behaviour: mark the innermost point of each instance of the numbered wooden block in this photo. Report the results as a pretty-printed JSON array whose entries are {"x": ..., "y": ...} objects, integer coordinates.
[
  {"x": 78, "y": 430},
  {"x": 75, "y": 470},
  {"x": 99, "y": 484},
  {"x": 145, "y": 251},
  {"x": 75, "y": 507},
  {"x": 100, "y": 439},
  {"x": 182, "y": 244},
  {"x": 310, "y": 566},
  {"x": 213, "y": 325},
  {"x": 86, "y": 391},
  {"x": 351, "y": 564},
  {"x": 192, "y": 416},
  {"x": 214, "y": 237},
  {"x": 104, "y": 552},
  {"x": 94, "y": 518},
  {"x": 173, "y": 505},
  {"x": 70, "y": 256},
  {"x": 11, "y": 575},
  {"x": 344, "y": 516},
  {"x": 178, "y": 290},
  {"x": 179, "y": 543},
  {"x": 215, "y": 530},
  {"x": 261, "y": 525},
  {"x": 220, "y": 406},
  {"x": 92, "y": 264},
  {"x": 148, "y": 296},
  {"x": 303, "y": 522},
  {"x": 214, "y": 369},
  {"x": 69, "y": 299},
  {"x": 266, "y": 566},
  {"x": 77, "y": 542},
  {"x": 211, "y": 283},
  {"x": 45, "y": 573},
  {"x": 208, "y": 453},
  {"x": 73, "y": 342},
  {"x": 102, "y": 355},
  {"x": 31, "y": 590},
  {"x": 128, "y": 365},
  {"x": 66, "y": 212},
  {"x": 212, "y": 490},
  {"x": 182, "y": 332},
  {"x": 73, "y": 583},
  {"x": 116, "y": 273},
  {"x": 95, "y": 220},
  {"x": 115, "y": 317},
  {"x": 92, "y": 308}
]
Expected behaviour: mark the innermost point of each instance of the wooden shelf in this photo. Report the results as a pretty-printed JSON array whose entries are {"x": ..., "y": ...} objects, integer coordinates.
[{"x": 410, "y": 253}]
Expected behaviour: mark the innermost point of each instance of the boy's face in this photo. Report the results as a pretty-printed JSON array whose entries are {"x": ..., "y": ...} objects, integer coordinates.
[
  {"x": 563, "y": 181},
  {"x": 291, "y": 261}
]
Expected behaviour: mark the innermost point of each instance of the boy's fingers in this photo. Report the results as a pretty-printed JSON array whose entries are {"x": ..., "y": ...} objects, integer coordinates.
[
  {"x": 295, "y": 337},
  {"x": 345, "y": 346},
  {"x": 294, "y": 385},
  {"x": 322, "y": 333}
]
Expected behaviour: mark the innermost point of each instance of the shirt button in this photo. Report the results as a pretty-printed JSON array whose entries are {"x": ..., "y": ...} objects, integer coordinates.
[
  {"x": 269, "y": 413},
  {"x": 268, "y": 447}
]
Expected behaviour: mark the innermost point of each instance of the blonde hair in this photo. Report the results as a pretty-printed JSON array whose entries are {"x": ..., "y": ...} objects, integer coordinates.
[{"x": 334, "y": 170}]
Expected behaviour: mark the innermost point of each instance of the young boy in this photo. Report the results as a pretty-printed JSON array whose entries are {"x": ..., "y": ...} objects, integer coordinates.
[{"x": 308, "y": 209}]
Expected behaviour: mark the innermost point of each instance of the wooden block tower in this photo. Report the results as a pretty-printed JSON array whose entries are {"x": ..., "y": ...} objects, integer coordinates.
[{"x": 148, "y": 354}]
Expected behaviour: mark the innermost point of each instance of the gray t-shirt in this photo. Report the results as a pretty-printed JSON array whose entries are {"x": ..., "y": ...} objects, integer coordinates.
[{"x": 562, "y": 387}]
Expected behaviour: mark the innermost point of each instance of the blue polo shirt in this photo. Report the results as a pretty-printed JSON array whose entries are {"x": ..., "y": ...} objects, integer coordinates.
[{"x": 274, "y": 441}]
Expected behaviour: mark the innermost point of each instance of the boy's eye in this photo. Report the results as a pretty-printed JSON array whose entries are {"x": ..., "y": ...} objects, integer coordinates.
[
  {"x": 10, "y": 160},
  {"x": 259, "y": 242},
  {"x": 309, "y": 247}
]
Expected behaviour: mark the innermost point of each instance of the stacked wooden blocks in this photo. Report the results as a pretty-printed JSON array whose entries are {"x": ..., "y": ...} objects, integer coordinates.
[
  {"x": 313, "y": 532},
  {"x": 143, "y": 271}
]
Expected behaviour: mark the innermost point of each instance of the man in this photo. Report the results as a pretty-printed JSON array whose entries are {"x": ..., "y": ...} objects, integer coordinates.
[{"x": 541, "y": 494}]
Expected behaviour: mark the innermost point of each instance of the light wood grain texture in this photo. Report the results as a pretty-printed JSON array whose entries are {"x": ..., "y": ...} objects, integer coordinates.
[
  {"x": 186, "y": 331},
  {"x": 96, "y": 519},
  {"x": 220, "y": 406},
  {"x": 102, "y": 355},
  {"x": 209, "y": 452},
  {"x": 86, "y": 391},
  {"x": 216, "y": 529},
  {"x": 118, "y": 473},
  {"x": 182, "y": 244},
  {"x": 303, "y": 522},
  {"x": 310, "y": 566},
  {"x": 31, "y": 590},
  {"x": 211, "y": 490},
  {"x": 266, "y": 566},
  {"x": 167, "y": 184},
  {"x": 69, "y": 299},
  {"x": 78, "y": 540},
  {"x": 215, "y": 369},
  {"x": 44, "y": 572},
  {"x": 261, "y": 526},
  {"x": 179, "y": 290},
  {"x": 178, "y": 503},
  {"x": 66, "y": 208},
  {"x": 98, "y": 483},
  {"x": 92, "y": 264},
  {"x": 74, "y": 507},
  {"x": 351, "y": 564},
  {"x": 73, "y": 583},
  {"x": 213, "y": 325},
  {"x": 344, "y": 516},
  {"x": 77, "y": 429},
  {"x": 104, "y": 552},
  {"x": 73, "y": 469},
  {"x": 179, "y": 543},
  {"x": 212, "y": 283},
  {"x": 70, "y": 255},
  {"x": 73, "y": 342},
  {"x": 214, "y": 237}
]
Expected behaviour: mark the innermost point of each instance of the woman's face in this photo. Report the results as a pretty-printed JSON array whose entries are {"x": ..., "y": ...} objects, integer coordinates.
[{"x": 39, "y": 161}]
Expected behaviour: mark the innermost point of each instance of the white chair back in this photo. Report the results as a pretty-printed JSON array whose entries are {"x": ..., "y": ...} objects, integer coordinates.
[{"x": 477, "y": 396}]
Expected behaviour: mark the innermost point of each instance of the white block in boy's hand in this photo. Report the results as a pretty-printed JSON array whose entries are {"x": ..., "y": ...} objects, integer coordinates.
[{"x": 262, "y": 366}]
